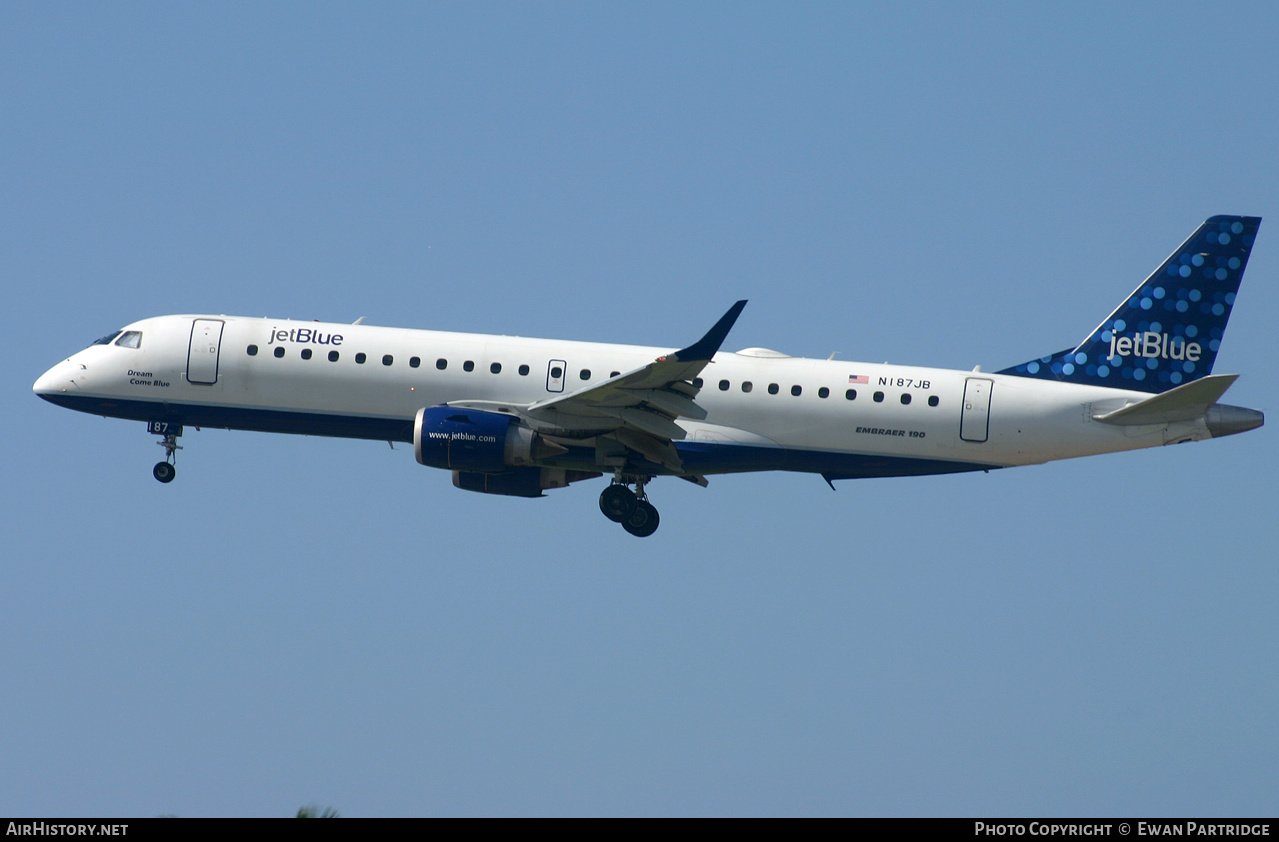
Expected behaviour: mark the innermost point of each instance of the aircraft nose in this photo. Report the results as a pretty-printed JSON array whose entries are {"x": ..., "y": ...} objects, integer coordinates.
[{"x": 61, "y": 378}]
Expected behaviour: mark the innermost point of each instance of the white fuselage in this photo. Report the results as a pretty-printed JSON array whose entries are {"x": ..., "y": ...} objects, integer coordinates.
[{"x": 764, "y": 411}]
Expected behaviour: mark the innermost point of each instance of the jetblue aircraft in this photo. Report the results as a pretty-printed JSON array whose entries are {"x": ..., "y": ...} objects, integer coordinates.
[{"x": 517, "y": 416}]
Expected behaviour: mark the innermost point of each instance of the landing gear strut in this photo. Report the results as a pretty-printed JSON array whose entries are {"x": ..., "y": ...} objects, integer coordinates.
[
  {"x": 630, "y": 508},
  {"x": 165, "y": 471}
]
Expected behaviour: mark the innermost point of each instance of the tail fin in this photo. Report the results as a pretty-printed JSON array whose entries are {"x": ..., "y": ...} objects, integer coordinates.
[{"x": 1167, "y": 332}]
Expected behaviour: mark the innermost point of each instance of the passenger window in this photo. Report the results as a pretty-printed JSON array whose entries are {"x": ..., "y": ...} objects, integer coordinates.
[
  {"x": 360, "y": 358},
  {"x": 306, "y": 353},
  {"x": 387, "y": 359},
  {"x": 468, "y": 366},
  {"x": 723, "y": 385},
  {"x": 697, "y": 381},
  {"x": 585, "y": 374},
  {"x": 932, "y": 400},
  {"x": 796, "y": 390},
  {"x": 496, "y": 368},
  {"x": 441, "y": 364},
  {"x": 773, "y": 388},
  {"x": 130, "y": 339},
  {"x": 879, "y": 397},
  {"x": 747, "y": 385},
  {"x": 905, "y": 398},
  {"x": 823, "y": 392},
  {"x": 851, "y": 395},
  {"x": 557, "y": 372},
  {"x": 523, "y": 371},
  {"x": 414, "y": 362},
  {"x": 279, "y": 350},
  {"x": 614, "y": 373},
  {"x": 333, "y": 356},
  {"x": 252, "y": 350}
]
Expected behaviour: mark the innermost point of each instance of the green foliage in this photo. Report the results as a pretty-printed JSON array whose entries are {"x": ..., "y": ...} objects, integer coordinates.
[{"x": 312, "y": 811}]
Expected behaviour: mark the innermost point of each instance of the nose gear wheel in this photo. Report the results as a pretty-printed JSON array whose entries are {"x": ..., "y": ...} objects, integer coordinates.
[{"x": 165, "y": 471}]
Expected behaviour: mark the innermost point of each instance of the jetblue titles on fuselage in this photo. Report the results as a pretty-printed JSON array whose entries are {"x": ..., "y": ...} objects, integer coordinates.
[{"x": 304, "y": 336}]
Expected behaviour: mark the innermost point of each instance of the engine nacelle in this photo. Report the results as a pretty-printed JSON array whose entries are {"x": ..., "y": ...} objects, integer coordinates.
[
  {"x": 520, "y": 482},
  {"x": 476, "y": 441}
]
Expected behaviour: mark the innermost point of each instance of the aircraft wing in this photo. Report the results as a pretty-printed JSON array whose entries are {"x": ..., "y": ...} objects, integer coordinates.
[{"x": 639, "y": 408}]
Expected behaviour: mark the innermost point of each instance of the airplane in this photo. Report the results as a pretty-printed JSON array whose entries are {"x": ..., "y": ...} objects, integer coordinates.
[{"x": 515, "y": 416}]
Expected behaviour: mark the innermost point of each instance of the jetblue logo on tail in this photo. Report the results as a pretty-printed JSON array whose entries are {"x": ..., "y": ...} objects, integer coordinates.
[
  {"x": 1168, "y": 331},
  {"x": 1155, "y": 346}
]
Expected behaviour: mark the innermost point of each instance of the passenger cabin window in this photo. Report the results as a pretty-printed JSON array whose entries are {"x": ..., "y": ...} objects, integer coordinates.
[
  {"x": 252, "y": 350},
  {"x": 279, "y": 351},
  {"x": 333, "y": 356},
  {"x": 495, "y": 368},
  {"x": 387, "y": 359},
  {"x": 585, "y": 374},
  {"x": 130, "y": 339},
  {"x": 879, "y": 397},
  {"x": 414, "y": 362},
  {"x": 905, "y": 398},
  {"x": 614, "y": 374},
  {"x": 523, "y": 371},
  {"x": 796, "y": 390},
  {"x": 823, "y": 392},
  {"x": 557, "y": 372},
  {"x": 468, "y": 366},
  {"x": 697, "y": 381},
  {"x": 723, "y": 385},
  {"x": 851, "y": 395},
  {"x": 773, "y": 388},
  {"x": 932, "y": 400},
  {"x": 747, "y": 385},
  {"x": 441, "y": 364},
  {"x": 360, "y": 358},
  {"x": 306, "y": 353}
]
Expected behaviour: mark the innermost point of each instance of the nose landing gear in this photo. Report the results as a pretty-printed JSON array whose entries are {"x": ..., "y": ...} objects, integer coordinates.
[
  {"x": 165, "y": 471},
  {"x": 630, "y": 508}
]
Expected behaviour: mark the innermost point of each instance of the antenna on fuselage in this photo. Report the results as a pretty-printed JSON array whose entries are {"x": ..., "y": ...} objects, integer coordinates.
[{"x": 360, "y": 320}]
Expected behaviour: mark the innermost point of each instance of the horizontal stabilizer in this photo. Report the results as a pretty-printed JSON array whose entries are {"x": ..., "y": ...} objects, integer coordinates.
[{"x": 1184, "y": 403}]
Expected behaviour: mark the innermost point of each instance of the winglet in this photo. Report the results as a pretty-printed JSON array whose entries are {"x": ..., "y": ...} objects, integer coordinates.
[{"x": 705, "y": 348}]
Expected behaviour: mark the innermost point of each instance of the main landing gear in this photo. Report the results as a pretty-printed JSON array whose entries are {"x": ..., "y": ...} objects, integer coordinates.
[
  {"x": 165, "y": 471},
  {"x": 630, "y": 508}
]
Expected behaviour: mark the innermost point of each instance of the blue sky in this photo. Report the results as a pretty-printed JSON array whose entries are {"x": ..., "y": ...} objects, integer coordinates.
[{"x": 299, "y": 620}]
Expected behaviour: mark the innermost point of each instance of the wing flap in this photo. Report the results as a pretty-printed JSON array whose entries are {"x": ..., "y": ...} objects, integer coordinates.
[
  {"x": 672, "y": 404},
  {"x": 656, "y": 450}
]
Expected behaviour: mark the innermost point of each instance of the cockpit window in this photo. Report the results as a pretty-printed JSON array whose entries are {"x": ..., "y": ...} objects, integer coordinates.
[
  {"x": 130, "y": 339},
  {"x": 108, "y": 339}
]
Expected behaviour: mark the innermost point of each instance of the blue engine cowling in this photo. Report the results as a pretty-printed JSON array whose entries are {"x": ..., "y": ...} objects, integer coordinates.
[
  {"x": 470, "y": 440},
  {"x": 489, "y": 452}
]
